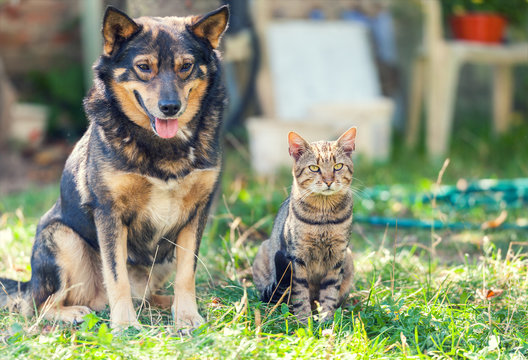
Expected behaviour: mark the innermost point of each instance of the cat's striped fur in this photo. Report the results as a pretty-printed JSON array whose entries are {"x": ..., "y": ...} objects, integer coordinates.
[{"x": 308, "y": 248}]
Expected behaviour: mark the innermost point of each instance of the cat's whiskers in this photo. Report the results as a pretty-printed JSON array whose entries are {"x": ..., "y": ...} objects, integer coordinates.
[
  {"x": 362, "y": 194},
  {"x": 355, "y": 179},
  {"x": 303, "y": 195}
]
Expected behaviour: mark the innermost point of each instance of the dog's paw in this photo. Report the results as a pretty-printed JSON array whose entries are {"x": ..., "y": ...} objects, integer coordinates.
[
  {"x": 123, "y": 316},
  {"x": 72, "y": 314},
  {"x": 186, "y": 319},
  {"x": 189, "y": 321},
  {"x": 120, "y": 326}
]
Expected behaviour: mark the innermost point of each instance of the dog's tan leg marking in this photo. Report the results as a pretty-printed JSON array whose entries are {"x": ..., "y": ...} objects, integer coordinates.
[
  {"x": 184, "y": 308},
  {"x": 113, "y": 244},
  {"x": 81, "y": 277}
]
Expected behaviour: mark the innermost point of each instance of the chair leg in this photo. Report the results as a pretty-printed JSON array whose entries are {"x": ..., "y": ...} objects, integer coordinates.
[
  {"x": 502, "y": 97},
  {"x": 442, "y": 90},
  {"x": 416, "y": 100}
]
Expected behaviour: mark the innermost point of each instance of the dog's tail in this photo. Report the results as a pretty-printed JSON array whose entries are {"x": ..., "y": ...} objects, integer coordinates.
[
  {"x": 283, "y": 277},
  {"x": 16, "y": 295}
]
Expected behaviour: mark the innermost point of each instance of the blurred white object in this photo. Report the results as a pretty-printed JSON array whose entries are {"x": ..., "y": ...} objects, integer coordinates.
[
  {"x": 29, "y": 123},
  {"x": 315, "y": 62}
]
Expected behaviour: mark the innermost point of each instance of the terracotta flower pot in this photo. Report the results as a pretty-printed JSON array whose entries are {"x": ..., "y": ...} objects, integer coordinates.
[{"x": 486, "y": 28}]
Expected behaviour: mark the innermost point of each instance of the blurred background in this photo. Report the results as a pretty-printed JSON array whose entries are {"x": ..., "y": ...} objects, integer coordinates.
[
  {"x": 438, "y": 90},
  {"x": 420, "y": 84}
]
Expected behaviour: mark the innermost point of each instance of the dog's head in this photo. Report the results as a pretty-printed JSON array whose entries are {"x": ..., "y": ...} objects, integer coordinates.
[{"x": 158, "y": 68}]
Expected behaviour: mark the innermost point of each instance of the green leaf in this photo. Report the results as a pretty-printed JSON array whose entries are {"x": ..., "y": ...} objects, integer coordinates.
[
  {"x": 285, "y": 310},
  {"x": 104, "y": 335},
  {"x": 90, "y": 320}
]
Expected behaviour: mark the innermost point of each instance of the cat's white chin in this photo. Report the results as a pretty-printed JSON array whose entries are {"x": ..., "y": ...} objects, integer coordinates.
[{"x": 328, "y": 192}]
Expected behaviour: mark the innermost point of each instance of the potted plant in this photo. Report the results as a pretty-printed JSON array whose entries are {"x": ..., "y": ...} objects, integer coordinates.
[{"x": 484, "y": 20}]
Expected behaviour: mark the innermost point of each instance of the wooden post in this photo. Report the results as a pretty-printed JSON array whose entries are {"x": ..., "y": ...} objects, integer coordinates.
[
  {"x": 7, "y": 100},
  {"x": 502, "y": 97},
  {"x": 416, "y": 99}
]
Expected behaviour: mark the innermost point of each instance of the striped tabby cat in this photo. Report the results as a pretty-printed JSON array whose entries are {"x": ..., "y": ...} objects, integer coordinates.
[{"x": 311, "y": 232}]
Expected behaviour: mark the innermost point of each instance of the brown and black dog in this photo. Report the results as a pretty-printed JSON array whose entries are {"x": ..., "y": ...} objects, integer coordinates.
[{"x": 136, "y": 190}]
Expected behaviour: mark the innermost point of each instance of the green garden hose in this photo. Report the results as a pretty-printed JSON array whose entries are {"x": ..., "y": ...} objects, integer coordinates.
[{"x": 487, "y": 193}]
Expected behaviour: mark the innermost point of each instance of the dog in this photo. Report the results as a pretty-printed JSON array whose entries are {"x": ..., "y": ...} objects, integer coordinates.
[{"x": 137, "y": 187}]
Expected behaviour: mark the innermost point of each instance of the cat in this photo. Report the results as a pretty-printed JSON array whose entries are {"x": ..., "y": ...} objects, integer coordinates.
[{"x": 308, "y": 247}]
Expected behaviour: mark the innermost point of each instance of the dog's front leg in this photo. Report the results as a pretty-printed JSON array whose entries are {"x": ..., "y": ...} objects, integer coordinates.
[
  {"x": 112, "y": 236},
  {"x": 184, "y": 308}
]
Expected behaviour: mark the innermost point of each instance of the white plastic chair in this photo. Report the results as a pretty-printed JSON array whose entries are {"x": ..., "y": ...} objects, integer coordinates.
[{"x": 436, "y": 73}]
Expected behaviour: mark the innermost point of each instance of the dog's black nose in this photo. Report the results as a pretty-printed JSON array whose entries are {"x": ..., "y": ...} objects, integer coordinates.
[{"x": 169, "y": 107}]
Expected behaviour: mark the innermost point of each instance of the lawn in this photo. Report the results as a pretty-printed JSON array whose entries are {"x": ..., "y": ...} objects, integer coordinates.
[{"x": 419, "y": 292}]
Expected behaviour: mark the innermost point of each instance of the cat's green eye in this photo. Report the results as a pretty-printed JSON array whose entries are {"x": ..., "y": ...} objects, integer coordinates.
[
  {"x": 313, "y": 168},
  {"x": 338, "y": 167}
]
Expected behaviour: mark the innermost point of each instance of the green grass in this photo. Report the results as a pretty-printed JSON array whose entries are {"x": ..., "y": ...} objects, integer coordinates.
[{"x": 416, "y": 291}]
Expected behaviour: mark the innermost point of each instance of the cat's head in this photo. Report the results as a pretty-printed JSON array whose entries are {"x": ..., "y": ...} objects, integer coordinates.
[{"x": 323, "y": 167}]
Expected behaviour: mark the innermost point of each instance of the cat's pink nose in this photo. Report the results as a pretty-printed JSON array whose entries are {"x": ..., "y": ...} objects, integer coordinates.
[{"x": 328, "y": 182}]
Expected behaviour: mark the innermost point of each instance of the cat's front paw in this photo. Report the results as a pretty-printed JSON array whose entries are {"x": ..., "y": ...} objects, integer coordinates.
[
  {"x": 302, "y": 312},
  {"x": 325, "y": 315}
]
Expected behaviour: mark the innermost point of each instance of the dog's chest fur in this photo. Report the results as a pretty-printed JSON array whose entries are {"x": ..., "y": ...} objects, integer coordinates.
[
  {"x": 165, "y": 204},
  {"x": 155, "y": 210}
]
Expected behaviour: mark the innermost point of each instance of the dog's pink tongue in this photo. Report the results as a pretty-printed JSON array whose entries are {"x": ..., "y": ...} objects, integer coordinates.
[{"x": 166, "y": 128}]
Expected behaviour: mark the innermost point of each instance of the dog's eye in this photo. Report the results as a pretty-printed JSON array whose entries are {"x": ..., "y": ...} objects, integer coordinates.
[
  {"x": 313, "y": 168},
  {"x": 143, "y": 67},
  {"x": 186, "y": 67}
]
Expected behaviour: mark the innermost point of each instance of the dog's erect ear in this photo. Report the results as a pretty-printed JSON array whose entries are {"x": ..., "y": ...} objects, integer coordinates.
[
  {"x": 298, "y": 145},
  {"x": 211, "y": 26},
  {"x": 117, "y": 27},
  {"x": 347, "y": 141}
]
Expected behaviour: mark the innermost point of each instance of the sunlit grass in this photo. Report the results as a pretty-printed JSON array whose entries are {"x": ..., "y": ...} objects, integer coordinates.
[{"x": 416, "y": 293}]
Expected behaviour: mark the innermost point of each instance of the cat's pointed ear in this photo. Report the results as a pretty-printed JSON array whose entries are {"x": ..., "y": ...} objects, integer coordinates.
[
  {"x": 211, "y": 26},
  {"x": 297, "y": 145},
  {"x": 117, "y": 27},
  {"x": 347, "y": 141}
]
